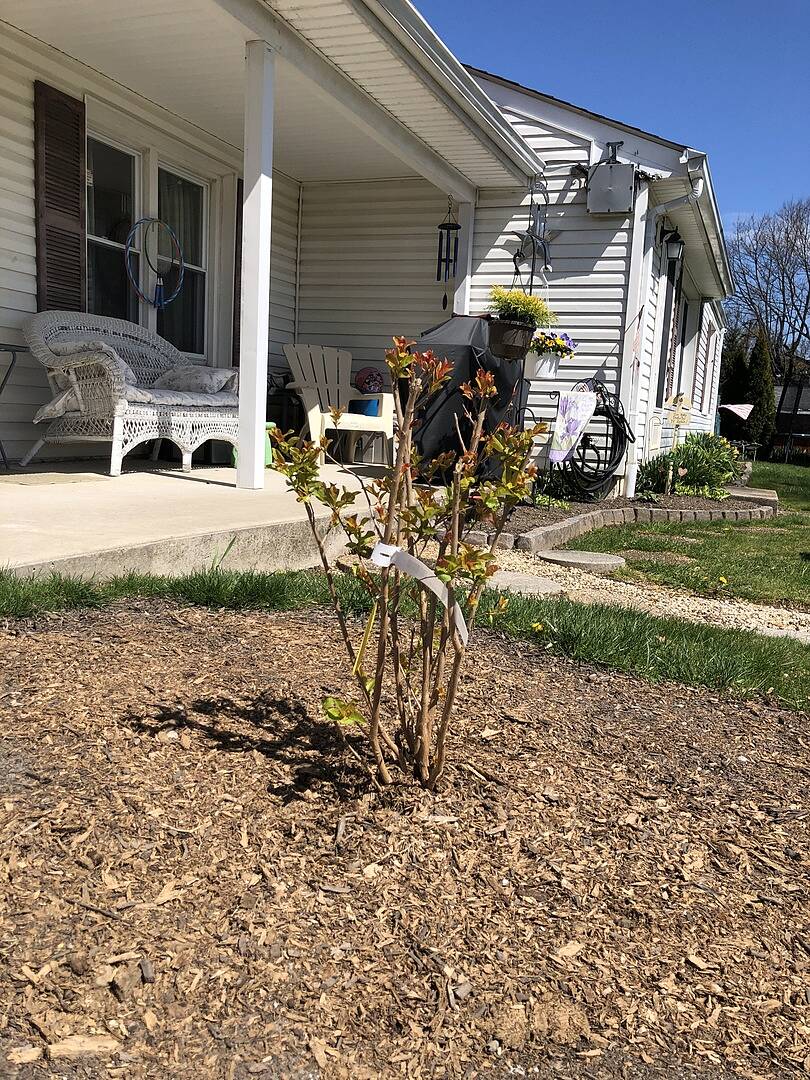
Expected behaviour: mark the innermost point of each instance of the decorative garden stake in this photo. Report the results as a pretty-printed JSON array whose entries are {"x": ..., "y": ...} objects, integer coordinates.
[{"x": 424, "y": 581}]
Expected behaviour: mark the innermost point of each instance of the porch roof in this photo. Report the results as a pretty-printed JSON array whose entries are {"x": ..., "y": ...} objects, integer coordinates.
[{"x": 365, "y": 88}]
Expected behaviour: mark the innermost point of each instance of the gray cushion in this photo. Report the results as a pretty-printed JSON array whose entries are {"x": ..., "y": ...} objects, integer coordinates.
[
  {"x": 197, "y": 379},
  {"x": 139, "y": 395}
]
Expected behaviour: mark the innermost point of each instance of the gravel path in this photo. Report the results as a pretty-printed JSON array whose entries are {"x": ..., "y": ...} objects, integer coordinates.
[{"x": 659, "y": 600}]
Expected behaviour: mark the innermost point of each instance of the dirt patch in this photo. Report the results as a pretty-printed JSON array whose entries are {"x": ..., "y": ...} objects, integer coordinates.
[
  {"x": 611, "y": 883},
  {"x": 525, "y": 518},
  {"x": 669, "y": 558}
]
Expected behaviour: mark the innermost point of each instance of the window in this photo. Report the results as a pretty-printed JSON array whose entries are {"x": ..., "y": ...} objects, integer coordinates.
[
  {"x": 181, "y": 204},
  {"x": 111, "y": 198},
  {"x": 122, "y": 186}
]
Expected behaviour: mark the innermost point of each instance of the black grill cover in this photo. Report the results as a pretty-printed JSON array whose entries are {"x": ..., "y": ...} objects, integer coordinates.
[{"x": 464, "y": 340}]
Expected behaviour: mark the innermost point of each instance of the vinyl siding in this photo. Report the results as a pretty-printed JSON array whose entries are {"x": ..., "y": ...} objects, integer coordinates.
[
  {"x": 647, "y": 387},
  {"x": 283, "y": 268},
  {"x": 700, "y": 382},
  {"x": 28, "y": 388},
  {"x": 706, "y": 376},
  {"x": 368, "y": 252},
  {"x": 590, "y": 258}
]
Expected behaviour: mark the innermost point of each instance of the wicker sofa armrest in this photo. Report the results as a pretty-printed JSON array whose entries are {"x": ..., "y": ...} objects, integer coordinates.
[{"x": 70, "y": 355}]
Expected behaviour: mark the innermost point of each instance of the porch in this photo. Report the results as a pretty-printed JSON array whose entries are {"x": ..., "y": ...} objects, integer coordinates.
[
  {"x": 76, "y": 520},
  {"x": 328, "y": 138}
]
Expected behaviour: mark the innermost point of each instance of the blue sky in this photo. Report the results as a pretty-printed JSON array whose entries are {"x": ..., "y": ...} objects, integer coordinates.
[{"x": 731, "y": 77}]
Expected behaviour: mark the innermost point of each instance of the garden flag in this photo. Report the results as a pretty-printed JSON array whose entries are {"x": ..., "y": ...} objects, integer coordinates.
[{"x": 575, "y": 410}]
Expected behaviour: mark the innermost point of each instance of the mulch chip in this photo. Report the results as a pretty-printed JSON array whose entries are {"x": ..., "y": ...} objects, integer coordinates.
[{"x": 197, "y": 881}]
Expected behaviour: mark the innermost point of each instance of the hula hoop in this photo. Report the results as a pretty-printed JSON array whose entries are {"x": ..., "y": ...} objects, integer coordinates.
[{"x": 159, "y": 300}]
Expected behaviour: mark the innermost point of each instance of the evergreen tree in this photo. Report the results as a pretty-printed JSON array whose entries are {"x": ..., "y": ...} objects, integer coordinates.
[
  {"x": 761, "y": 424},
  {"x": 746, "y": 377},
  {"x": 734, "y": 380}
]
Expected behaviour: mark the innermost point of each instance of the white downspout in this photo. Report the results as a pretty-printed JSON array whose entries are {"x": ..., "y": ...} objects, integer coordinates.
[{"x": 653, "y": 217}]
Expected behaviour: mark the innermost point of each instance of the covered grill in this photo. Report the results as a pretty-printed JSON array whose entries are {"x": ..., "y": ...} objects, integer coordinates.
[{"x": 464, "y": 340}]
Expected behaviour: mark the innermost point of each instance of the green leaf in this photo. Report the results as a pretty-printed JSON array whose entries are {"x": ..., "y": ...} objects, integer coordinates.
[{"x": 341, "y": 712}]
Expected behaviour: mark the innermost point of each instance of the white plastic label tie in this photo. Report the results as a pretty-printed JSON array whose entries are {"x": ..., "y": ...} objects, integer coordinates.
[{"x": 391, "y": 555}]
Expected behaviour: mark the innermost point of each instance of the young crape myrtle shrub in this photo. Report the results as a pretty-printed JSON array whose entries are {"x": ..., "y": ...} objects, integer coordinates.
[{"x": 408, "y": 532}]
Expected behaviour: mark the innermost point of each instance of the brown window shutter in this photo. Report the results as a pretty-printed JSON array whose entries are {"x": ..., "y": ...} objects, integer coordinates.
[
  {"x": 237, "y": 274},
  {"x": 60, "y": 182}
]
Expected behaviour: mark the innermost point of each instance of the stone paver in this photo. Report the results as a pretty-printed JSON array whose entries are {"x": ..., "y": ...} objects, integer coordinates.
[
  {"x": 525, "y": 584},
  {"x": 597, "y": 562}
]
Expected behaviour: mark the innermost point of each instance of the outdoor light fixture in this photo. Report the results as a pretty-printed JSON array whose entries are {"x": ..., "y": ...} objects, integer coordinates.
[{"x": 674, "y": 245}]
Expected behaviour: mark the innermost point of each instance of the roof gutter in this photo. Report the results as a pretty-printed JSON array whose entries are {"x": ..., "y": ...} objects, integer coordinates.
[
  {"x": 423, "y": 45},
  {"x": 697, "y": 182},
  {"x": 697, "y": 170}
]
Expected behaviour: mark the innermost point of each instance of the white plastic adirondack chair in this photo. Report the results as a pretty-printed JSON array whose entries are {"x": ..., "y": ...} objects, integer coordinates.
[{"x": 323, "y": 378}]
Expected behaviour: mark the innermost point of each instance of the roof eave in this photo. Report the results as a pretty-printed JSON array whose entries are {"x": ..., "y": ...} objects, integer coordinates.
[
  {"x": 422, "y": 42},
  {"x": 715, "y": 224}
]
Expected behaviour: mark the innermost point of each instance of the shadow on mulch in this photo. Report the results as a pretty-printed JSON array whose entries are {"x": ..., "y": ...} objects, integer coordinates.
[{"x": 279, "y": 729}]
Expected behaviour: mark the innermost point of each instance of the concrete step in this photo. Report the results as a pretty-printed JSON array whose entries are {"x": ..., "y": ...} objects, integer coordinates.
[
  {"x": 766, "y": 496},
  {"x": 596, "y": 562}
]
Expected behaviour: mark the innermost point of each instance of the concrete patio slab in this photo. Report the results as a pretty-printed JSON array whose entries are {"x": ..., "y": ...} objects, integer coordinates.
[{"x": 157, "y": 521}]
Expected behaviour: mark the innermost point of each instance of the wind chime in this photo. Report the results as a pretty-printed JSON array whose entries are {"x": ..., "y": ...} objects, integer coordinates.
[{"x": 447, "y": 258}]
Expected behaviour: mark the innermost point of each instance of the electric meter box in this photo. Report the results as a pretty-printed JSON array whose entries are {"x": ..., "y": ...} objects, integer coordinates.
[{"x": 611, "y": 188}]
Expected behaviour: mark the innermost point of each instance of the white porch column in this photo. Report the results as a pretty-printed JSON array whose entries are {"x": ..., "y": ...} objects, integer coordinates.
[
  {"x": 255, "y": 315},
  {"x": 466, "y": 219}
]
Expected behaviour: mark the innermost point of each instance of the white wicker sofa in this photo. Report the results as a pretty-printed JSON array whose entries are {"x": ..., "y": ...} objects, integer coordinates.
[{"x": 102, "y": 372}]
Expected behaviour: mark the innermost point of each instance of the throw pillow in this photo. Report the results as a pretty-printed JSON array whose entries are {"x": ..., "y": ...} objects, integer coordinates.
[{"x": 197, "y": 379}]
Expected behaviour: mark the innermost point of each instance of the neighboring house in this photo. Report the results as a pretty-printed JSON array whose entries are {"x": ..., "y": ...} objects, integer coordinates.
[
  {"x": 793, "y": 417},
  {"x": 366, "y": 123}
]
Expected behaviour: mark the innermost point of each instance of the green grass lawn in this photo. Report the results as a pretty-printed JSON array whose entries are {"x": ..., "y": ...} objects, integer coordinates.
[
  {"x": 791, "y": 482},
  {"x": 740, "y": 662},
  {"x": 761, "y": 561}
]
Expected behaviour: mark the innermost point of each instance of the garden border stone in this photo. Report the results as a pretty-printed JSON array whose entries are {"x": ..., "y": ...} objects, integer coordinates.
[{"x": 548, "y": 537}]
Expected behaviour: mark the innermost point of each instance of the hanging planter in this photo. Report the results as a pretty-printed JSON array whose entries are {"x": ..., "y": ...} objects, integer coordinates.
[
  {"x": 509, "y": 338},
  {"x": 517, "y": 316},
  {"x": 547, "y": 365},
  {"x": 548, "y": 349}
]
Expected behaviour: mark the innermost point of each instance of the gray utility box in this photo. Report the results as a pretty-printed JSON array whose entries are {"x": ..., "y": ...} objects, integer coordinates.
[{"x": 611, "y": 188}]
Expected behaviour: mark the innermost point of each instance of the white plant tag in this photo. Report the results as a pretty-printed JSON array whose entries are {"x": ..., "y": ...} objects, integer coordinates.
[
  {"x": 391, "y": 555},
  {"x": 383, "y": 553}
]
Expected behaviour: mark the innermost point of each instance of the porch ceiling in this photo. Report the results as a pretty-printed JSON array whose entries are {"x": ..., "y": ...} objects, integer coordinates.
[{"x": 188, "y": 57}]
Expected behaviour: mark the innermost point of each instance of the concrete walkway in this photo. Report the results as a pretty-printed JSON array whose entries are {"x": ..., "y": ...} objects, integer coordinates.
[{"x": 155, "y": 521}]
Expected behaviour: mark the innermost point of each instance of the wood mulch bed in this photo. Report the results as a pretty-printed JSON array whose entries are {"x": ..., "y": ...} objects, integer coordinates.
[
  {"x": 196, "y": 882},
  {"x": 525, "y": 518}
]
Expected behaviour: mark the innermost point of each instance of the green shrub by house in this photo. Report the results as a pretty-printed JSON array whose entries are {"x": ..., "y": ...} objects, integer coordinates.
[{"x": 702, "y": 464}]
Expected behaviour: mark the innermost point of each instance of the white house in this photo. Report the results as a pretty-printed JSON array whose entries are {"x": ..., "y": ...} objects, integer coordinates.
[
  {"x": 321, "y": 141},
  {"x": 651, "y": 325}
]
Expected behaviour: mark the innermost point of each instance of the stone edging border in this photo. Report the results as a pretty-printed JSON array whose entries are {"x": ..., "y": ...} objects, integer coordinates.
[{"x": 547, "y": 537}]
